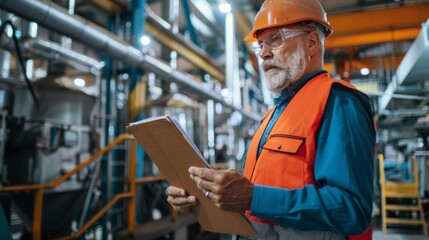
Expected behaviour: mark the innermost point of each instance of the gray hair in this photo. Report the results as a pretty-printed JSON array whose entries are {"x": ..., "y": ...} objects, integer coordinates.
[{"x": 319, "y": 29}]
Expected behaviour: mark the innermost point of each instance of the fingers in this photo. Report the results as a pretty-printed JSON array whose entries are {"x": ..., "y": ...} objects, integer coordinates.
[
  {"x": 202, "y": 184},
  {"x": 226, "y": 189},
  {"x": 204, "y": 173},
  {"x": 182, "y": 208},
  {"x": 182, "y": 204},
  {"x": 175, "y": 192},
  {"x": 179, "y": 199},
  {"x": 182, "y": 201},
  {"x": 209, "y": 179}
]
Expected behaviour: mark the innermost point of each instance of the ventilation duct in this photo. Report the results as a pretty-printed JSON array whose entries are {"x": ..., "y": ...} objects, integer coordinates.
[{"x": 413, "y": 68}]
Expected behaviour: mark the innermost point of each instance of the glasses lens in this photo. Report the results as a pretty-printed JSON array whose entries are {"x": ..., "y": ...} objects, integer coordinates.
[
  {"x": 270, "y": 41},
  {"x": 292, "y": 33},
  {"x": 274, "y": 40}
]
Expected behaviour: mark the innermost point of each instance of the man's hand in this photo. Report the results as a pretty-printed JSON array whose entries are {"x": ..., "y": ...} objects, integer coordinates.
[
  {"x": 180, "y": 200},
  {"x": 227, "y": 189}
]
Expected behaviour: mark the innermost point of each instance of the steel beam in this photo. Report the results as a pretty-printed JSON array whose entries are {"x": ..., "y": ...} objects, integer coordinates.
[
  {"x": 379, "y": 20},
  {"x": 188, "y": 50},
  {"x": 406, "y": 112},
  {"x": 376, "y": 62},
  {"x": 108, "y": 6},
  {"x": 377, "y": 26},
  {"x": 372, "y": 38}
]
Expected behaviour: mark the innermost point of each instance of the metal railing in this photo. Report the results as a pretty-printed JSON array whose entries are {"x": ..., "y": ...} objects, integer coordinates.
[{"x": 131, "y": 194}]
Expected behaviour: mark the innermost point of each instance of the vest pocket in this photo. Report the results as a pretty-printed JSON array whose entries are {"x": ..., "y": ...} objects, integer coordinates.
[
  {"x": 282, "y": 161},
  {"x": 284, "y": 143}
]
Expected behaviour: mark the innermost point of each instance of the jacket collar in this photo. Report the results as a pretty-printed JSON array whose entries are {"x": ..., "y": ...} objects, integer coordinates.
[{"x": 290, "y": 91}]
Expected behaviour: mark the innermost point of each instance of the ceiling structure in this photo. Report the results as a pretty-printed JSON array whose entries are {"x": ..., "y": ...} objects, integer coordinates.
[{"x": 373, "y": 34}]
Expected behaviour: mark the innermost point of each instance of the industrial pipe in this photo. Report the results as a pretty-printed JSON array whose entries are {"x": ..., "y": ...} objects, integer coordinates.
[
  {"x": 56, "y": 19},
  {"x": 50, "y": 47}
]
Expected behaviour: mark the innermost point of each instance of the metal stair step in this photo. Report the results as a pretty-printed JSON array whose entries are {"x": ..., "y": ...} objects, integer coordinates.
[
  {"x": 404, "y": 221},
  {"x": 402, "y": 207}
]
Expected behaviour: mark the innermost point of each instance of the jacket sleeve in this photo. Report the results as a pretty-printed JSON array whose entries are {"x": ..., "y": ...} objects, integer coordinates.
[{"x": 344, "y": 170}]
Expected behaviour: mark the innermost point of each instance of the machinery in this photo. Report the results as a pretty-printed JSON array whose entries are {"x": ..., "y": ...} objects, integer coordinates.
[
  {"x": 65, "y": 97},
  {"x": 43, "y": 140},
  {"x": 42, "y": 144}
]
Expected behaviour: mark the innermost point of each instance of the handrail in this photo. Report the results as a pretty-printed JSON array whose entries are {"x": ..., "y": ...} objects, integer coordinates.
[
  {"x": 149, "y": 179},
  {"x": 22, "y": 188},
  {"x": 110, "y": 204},
  {"x": 81, "y": 165},
  {"x": 38, "y": 200},
  {"x": 98, "y": 215},
  {"x": 38, "y": 204},
  {"x": 91, "y": 159}
]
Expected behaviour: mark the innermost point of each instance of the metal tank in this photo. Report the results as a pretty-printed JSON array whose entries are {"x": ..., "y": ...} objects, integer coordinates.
[{"x": 40, "y": 144}]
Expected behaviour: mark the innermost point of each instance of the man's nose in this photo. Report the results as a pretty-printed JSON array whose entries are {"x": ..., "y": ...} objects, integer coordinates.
[{"x": 265, "y": 53}]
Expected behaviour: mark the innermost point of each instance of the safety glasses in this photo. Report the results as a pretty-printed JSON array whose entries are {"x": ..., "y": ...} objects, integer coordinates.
[{"x": 275, "y": 39}]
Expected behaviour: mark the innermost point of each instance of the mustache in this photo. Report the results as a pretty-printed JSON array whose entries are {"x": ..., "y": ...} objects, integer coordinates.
[{"x": 270, "y": 63}]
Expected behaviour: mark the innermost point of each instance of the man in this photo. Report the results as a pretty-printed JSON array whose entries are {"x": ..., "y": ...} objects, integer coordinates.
[{"x": 309, "y": 169}]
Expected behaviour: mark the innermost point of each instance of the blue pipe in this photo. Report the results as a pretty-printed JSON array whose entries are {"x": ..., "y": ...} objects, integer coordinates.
[
  {"x": 187, "y": 14},
  {"x": 138, "y": 30}
]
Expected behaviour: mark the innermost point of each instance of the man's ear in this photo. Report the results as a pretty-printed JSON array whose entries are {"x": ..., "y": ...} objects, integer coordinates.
[{"x": 313, "y": 43}]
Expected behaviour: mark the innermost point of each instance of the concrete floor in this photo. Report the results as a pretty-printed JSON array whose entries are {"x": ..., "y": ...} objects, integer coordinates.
[
  {"x": 392, "y": 233},
  {"x": 389, "y": 235},
  {"x": 377, "y": 235}
]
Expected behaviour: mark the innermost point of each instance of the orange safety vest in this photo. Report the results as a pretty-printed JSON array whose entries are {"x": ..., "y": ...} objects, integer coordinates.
[{"x": 294, "y": 133}]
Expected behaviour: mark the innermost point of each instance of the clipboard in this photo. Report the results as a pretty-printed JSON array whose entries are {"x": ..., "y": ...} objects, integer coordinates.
[{"x": 173, "y": 152}]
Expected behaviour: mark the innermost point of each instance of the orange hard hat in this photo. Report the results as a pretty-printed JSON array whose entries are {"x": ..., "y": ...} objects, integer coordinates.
[{"x": 274, "y": 13}]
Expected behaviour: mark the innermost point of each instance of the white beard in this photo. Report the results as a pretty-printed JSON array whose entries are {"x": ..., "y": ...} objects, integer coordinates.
[{"x": 285, "y": 74}]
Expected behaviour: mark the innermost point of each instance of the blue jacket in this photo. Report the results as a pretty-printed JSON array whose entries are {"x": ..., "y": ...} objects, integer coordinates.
[{"x": 346, "y": 132}]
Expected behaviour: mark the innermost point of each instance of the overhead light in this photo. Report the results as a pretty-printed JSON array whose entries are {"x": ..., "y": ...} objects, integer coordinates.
[
  {"x": 224, "y": 92},
  {"x": 9, "y": 31},
  {"x": 364, "y": 71},
  {"x": 79, "y": 82},
  {"x": 225, "y": 7},
  {"x": 145, "y": 40}
]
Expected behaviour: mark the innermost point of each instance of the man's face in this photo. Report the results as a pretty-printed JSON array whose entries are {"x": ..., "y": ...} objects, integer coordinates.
[{"x": 284, "y": 62}]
